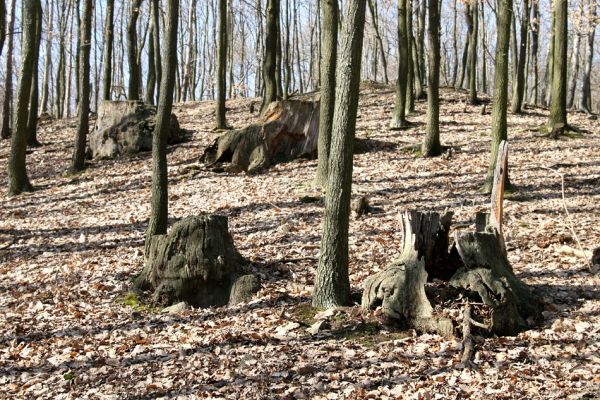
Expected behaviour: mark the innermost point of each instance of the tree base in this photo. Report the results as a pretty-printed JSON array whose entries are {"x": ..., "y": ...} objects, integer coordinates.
[
  {"x": 196, "y": 262},
  {"x": 475, "y": 263}
]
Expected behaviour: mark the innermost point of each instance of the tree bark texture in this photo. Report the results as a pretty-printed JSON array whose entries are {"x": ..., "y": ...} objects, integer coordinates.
[
  {"x": 329, "y": 34},
  {"x": 332, "y": 284}
]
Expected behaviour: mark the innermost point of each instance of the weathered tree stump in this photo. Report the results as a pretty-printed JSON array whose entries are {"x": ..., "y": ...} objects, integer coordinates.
[
  {"x": 488, "y": 272},
  {"x": 400, "y": 288},
  {"x": 196, "y": 262},
  {"x": 287, "y": 131},
  {"x": 476, "y": 262},
  {"x": 126, "y": 127}
]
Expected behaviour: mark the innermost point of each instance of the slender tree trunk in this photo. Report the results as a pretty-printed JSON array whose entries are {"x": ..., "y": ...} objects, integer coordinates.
[
  {"x": 557, "y": 123},
  {"x": 18, "y": 181},
  {"x": 222, "y": 65},
  {"x": 329, "y": 33},
  {"x": 474, "y": 29},
  {"x": 535, "y": 34},
  {"x": 83, "y": 112},
  {"x": 519, "y": 86},
  {"x": 5, "y": 132},
  {"x": 500, "y": 97},
  {"x": 575, "y": 57},
  {"x": 374, "y": 20},
  {"x": 108, "y": 49},
  {"x": 454, "y": 44},
  {"x": 288, "y": 68},
  {"x": 549, "y": 73},
  {"x": 278, "y": 57},
  {"x": 410, "y": 76},
  {"x": 586, "y": 87},
  {"x": 431, "y": 146},
  {"x": 48, "y": 59},
  {"x": 484, "y": 49},
  {"x": 399, "y": 115},
  {"x": 332, "y": 284},
  {"x": 151, "y": 81},
  {"x": 270, "y": 60},
  {"x": 160, "y": 203},
  {"x": 133, "y": 90},
  {"x": 2, "y": 24},
  {"x": 32, "y": 140}
]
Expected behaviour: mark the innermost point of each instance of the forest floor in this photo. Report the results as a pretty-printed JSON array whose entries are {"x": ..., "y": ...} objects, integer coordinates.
[{"x": 68, "y": 329}]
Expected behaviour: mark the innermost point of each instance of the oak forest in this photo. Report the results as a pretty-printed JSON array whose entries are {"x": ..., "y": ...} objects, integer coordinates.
[{"x": 299, "y": 199}]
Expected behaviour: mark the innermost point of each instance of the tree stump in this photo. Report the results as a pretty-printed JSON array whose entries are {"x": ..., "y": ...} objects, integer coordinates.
[
  {"x": 476, "y": 262},
  {"x": 400, "y": 288},
  {"x": 488, "y": 272},
  {"x": 287, "y": 131},
  {"x": 126, "y": 127},
  {"x": 196, "y": 262}
]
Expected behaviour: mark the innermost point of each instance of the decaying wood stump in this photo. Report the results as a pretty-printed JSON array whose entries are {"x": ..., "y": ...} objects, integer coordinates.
[
  {"x": 126, "y": 127},
  {"x": 476, "y": 263},
  {"x": 488, "y": 272},
  {"x": 287, "y": 131},
  {"x": 196, "y": 262},
  {"x": 400, "y": 287}
]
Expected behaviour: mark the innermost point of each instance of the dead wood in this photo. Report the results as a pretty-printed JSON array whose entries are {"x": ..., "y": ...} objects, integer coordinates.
[
  {"x": 196, "y": 262},
  {"x": 287, "y": 131},
  {"x": 468, "y": 343},
  {"x": 400, "y": 288}
]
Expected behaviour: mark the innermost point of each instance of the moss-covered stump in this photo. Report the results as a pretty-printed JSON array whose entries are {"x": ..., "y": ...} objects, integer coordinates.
[
  {"x": 488, "y": 272},
  {"x": 126, "y": 127},
  {"x": 196, "y": 262},
  {"x": 400, "y": 287},
  {"x": 287, "y": 131}
]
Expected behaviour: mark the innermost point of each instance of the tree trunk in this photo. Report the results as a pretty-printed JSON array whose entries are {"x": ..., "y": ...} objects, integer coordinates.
[
  {"x": 519, "y": 86},
  {"x": 32, "y": 140},
  {"x": 18, "y": 181},
  {"x": 151, "y": 81},
  {"x": 5, "y": 132},
  {"x": 270, "y": 60},
  {"x": 535, "y": 34},
  {"x": 557, "y": 122},
  {"x": 431, "y": 145},
  {"x": 2, "y": 24},
  {"x": 500, "y": 96},
  {"x": 375, "y": 22},
  {"x": 108, "y": 49},
  {"x": 399, "y": 115},
  {"x": 159, "y": 209},
  {"x": 454, "y": 43},
  {"x": 48, "y": 60},
  {"x": 222, "y": 66},
  {"x": 410, "y": 75},
  {"x": 332, "y": 284},
  {"x": 329, "y": 33},
  {"x": 575, "y": 56},
  {"x": 133, "y": 90},
  {"x": 83, "y": 112},
  {"x": 586, "y": 87},
  {"x": 474, "y": 29}
]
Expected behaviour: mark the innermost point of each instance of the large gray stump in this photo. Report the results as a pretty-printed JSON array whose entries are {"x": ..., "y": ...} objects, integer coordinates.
[
  {"x": 126, "y": 127},
  {"x": 196, "y": 262}
]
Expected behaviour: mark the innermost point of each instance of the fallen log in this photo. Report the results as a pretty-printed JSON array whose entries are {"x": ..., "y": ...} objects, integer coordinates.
[{"x": 288, "y": 130}]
